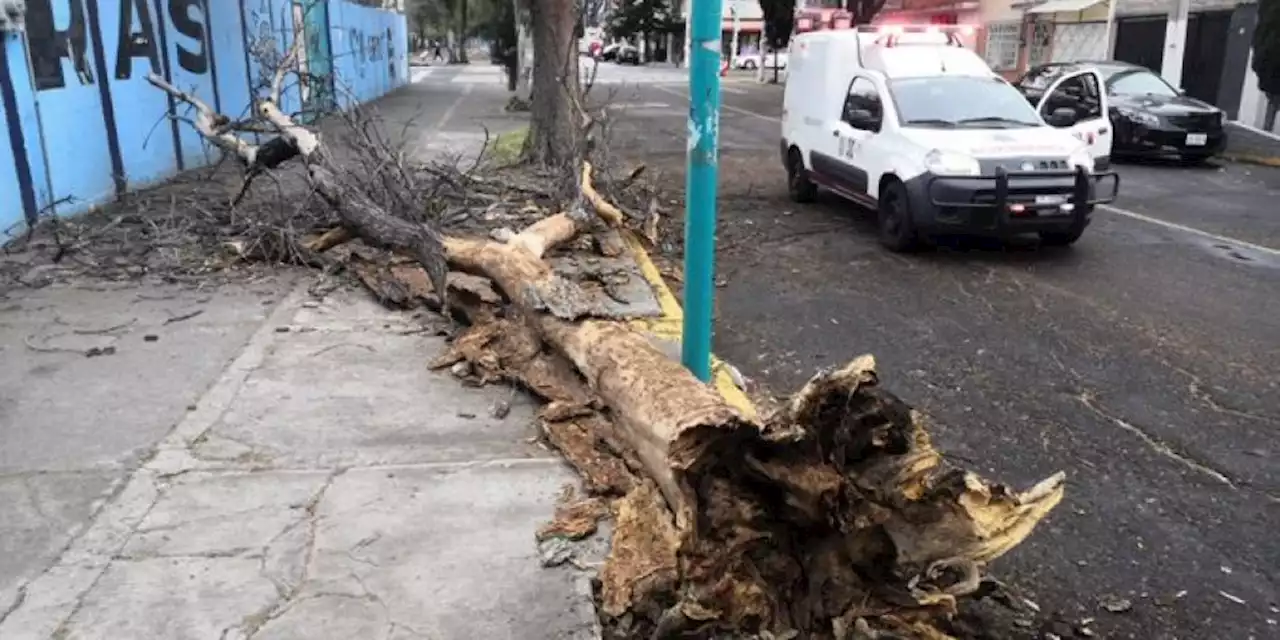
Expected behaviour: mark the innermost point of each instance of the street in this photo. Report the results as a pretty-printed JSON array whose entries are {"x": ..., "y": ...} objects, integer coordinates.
[
  {"x": 266, "y": 454},
  {"x": 1143, "y": 361}
]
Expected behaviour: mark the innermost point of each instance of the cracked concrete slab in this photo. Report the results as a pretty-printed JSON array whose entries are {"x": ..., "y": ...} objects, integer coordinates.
[
  {"x": 161, "y": 598},
  {"x": 302, "y": 475},
  {"x": 328, "y": 485},
  {"x": 333, "y": 616},
  {"x": 58, "y": 412},
  {"x": 344, "y": 398},
  {"x": 448, "y": 552},
  {"x": 224, "y": 514},
  {"x": 71, "y": 426},
  {"x": 40, "y": 515}
]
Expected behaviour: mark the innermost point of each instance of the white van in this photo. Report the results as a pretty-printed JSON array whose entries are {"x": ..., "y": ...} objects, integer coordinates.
[{"x": 910, "y": 123}]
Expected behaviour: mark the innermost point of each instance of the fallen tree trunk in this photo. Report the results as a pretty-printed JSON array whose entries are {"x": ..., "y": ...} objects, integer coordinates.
[{"x": 833, "y": 518}]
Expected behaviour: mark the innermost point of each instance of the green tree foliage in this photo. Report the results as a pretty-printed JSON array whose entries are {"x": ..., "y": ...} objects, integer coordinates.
[
  {"x": 642, "y": 17},
  {"x": 1266, "y": 48},
  {"x": 779, "y": 21},
  {"x": 779, "y": 17},
  {"x": 863, "y": 10}
]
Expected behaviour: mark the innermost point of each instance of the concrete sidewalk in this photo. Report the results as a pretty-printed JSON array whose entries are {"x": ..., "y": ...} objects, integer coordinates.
[
  {"x": 1252, "y": 145},
  {"x": 254, "y": 461}
]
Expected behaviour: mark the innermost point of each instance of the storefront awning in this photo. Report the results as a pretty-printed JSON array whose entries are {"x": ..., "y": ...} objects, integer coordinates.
[{"x": 1063, "y": 6}]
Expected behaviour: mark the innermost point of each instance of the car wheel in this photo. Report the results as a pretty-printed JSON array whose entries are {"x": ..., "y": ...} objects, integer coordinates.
[
  {"x": 749, "y": 65},
  {"x": 897, "y": 233},
  {"x": 799, "y": 187}
]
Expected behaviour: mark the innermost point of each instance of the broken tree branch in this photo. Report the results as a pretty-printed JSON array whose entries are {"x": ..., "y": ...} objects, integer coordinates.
[
  {"x": 834, "y": 518},
  {"x": 209, "y": 123}
]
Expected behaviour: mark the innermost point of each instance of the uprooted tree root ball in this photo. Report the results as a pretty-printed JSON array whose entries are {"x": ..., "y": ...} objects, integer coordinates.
[{"x": 832, "y": 518}]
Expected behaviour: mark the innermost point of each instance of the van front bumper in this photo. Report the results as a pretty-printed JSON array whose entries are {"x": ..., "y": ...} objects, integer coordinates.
[{"x": 1007, "y": 203}]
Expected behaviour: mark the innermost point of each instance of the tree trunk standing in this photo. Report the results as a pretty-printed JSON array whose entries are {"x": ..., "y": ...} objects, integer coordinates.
[
  {"x": 451, "y": 45},
  {"x": 552, "y": 129},
  {"x": 462, "y": 31}
]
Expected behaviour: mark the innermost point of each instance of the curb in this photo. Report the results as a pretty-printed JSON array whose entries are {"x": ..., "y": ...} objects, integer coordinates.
[
  {"x": 669, "y": 326},
  {"x": 1246, "y": 158}
]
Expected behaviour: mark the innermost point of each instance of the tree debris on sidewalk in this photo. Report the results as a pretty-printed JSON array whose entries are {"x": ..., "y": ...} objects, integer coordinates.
[{"x": 834, "y": 517}]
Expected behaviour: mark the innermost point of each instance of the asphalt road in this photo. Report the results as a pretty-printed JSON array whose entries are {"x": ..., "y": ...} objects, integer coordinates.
[{"x": 1144, "y": 362}]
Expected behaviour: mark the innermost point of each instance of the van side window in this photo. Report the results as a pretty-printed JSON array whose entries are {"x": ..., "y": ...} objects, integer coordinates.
[
  {"x": 864, "y": 96},
  {"x": 1037, "y": 80},
  {"x": 1080, "y": 94}
]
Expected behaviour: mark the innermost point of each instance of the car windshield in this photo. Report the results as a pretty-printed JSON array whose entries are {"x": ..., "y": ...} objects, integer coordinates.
[
  {"x": 960, "y": 101},
  {"x": 1139, "y": 82}
]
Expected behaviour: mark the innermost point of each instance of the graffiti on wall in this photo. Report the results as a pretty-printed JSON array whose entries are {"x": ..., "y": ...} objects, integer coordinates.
[
  {"x": 90, "y": 58},
  {"x": 138, "y": 37}
]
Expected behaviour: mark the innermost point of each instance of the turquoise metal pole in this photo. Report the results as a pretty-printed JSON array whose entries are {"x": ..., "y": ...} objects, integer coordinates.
[{"x": 700, "y": 186}]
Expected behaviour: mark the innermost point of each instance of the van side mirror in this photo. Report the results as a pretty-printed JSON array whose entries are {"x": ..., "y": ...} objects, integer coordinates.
[
  {"x": 861, "y": 119},
  {"x": 1062, "y": 117}
]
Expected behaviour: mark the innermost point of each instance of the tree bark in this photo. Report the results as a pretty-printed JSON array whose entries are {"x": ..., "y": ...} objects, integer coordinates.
[
  {"x": 462, "y": 31},
  {"x": 553, "y": 130}
]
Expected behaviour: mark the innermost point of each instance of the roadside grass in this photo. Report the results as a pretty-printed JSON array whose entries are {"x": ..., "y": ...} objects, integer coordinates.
[{"x": 505, "y": 148}]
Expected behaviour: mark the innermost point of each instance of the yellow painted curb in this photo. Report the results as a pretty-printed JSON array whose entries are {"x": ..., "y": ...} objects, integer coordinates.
[
  {"x": 1266, "y": 161},
  {"x": 669, "y": 326}
]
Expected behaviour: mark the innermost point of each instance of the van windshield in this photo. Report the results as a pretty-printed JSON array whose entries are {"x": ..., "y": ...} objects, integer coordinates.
[{"x": 960, "y": 101}]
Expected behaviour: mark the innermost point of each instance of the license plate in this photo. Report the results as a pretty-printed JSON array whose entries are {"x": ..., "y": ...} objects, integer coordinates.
[
  {"x": 1197, "y": 139},
  {"x": 1052, "y": 199}
]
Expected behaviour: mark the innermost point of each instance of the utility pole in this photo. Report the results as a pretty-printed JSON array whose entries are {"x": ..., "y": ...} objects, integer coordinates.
[
  {"x": 1175, "y": 41},
  {"x": 700, "y": 187}
]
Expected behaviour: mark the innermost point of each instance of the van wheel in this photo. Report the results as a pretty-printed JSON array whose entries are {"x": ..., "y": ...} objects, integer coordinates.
[
  {"x": 897, "y": 233},
  {"x": 799, "y": 186}
]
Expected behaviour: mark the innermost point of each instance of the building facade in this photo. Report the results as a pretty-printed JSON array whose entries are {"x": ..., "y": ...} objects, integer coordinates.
[{"x": 1202, "y": 46}]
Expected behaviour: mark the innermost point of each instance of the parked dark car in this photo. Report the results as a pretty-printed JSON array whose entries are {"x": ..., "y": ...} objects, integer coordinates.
[{"x": 1150, "y": 116}]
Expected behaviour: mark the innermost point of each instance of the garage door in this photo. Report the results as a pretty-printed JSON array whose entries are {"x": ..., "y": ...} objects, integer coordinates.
[{"x": 1082, "y": 41}]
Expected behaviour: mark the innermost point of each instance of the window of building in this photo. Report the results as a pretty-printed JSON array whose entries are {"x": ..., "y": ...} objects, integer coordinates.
[
  {"x": 1002, "y": 45},
  {"x": 1041, "y": 42}
]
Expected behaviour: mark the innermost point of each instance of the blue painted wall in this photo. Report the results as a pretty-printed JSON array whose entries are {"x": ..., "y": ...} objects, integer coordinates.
[{"x": 82, "y": 124}]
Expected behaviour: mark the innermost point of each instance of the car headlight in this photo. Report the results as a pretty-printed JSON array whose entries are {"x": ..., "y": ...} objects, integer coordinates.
[
  {"x": 1141, "y": 117},
  {"x": 1081, "y": 158},
  {"x": 949, "y": 163}
]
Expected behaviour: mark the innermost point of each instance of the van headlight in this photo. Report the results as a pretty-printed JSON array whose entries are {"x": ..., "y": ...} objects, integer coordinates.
[
  {"x": 950, "y": 163},
  {"x": 1081, "y": 158}
]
